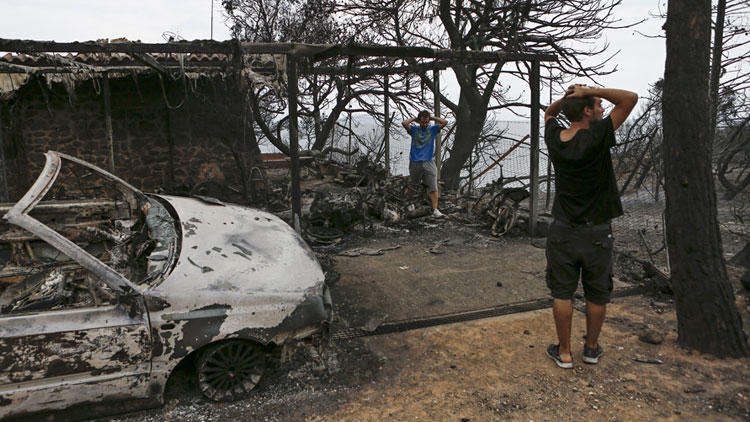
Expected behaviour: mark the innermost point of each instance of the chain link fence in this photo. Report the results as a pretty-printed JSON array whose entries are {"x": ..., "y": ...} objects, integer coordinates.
[{"x": 639, "y": 233}]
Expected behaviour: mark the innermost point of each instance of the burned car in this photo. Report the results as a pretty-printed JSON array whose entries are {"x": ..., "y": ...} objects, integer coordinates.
[{"x": 105, "y": 289}]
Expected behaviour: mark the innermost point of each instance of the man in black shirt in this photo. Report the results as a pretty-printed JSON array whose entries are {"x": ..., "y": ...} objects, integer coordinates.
[{"x": 579, "y": 243}]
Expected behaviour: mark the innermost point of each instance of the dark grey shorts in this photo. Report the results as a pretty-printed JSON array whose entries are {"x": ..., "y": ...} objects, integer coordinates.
[
  {"x": 580, "y": 252},
  {"x": 424, "y": 172}
]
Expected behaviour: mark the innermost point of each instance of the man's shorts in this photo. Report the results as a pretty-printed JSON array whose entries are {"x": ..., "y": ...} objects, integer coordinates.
[
  {"x": 583, "y": 251},
  {"x": 424, "y": 172}
]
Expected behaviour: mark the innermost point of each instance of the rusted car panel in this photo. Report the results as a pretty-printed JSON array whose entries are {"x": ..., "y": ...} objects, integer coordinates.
[
  {"x": 104, "y": 290},
  {"x": 53, "y": 359}
]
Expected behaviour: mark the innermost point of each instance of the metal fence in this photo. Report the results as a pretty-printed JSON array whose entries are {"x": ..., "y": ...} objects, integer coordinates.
[{"x": 639, "y": 233}]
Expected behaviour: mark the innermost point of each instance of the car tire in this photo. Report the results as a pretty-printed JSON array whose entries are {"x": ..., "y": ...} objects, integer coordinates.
[{"x": 227, "y": 371}]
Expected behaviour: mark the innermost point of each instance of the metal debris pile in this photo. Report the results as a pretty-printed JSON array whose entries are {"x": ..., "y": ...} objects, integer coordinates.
[
  {"x": 33, "y": 275},
  {"x": 336, "y": 197},
  {"x": 364, "y": 195}
]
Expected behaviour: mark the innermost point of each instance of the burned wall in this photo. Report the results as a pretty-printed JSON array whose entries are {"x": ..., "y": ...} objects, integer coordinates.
[{"x": 169, "y": 134}]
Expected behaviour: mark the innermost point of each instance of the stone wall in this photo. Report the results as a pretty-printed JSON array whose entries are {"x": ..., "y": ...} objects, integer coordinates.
[{"x": 168, "y": 135}]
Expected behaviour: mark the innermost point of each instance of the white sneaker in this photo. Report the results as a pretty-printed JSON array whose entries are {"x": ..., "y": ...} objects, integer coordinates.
[{"x": 437, "y": 214}]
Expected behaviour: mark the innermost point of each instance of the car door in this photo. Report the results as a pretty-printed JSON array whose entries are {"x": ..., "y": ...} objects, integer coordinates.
[
  {"x": 73, "y": 327},
  {"x": 62, "y": 343}
]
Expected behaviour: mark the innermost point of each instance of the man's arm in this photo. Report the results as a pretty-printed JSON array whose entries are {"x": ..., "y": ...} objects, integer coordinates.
[
  {"x": 440, "y": 121},
  {"x": 624, "y": 101},
  {"x": 407, "y": 124},
  {"x": 553, "y": 110}
]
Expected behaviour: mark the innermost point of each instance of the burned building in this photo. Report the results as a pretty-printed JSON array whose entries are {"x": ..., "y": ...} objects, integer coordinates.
[{"x": 163, "y": 121}]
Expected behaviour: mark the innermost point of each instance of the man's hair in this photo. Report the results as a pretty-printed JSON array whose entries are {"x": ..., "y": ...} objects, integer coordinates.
[
  {"x": 423, "y": 113},
  {"x": 573, "y": 107}
]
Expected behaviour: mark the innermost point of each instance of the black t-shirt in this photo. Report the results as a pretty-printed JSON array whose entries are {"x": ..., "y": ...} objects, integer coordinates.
[{"x": 585, "y": 186}]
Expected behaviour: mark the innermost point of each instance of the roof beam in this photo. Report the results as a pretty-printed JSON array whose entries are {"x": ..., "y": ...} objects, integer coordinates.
[
  {"x": 145, "y": 58},
  {"x": 316, "y": 52},
  {"x": 27, "y": 46}
]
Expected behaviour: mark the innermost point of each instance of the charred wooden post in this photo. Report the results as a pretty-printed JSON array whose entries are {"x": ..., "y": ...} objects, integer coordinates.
[
  {"x": 349, "y": 147},
  {"x": 534, "y": 164},
  {"x": 387, "y": 118},
  {"x": 439, "y": 137},
  {"x": 292, "y": 90},
  {"x": 4, "y": 196},
  {"x": 108, "y": 120}
]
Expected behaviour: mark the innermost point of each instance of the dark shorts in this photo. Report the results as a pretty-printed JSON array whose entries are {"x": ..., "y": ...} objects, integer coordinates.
[
  {"x": 580, "y": 252},
  {"x": 424, "y": 172}
]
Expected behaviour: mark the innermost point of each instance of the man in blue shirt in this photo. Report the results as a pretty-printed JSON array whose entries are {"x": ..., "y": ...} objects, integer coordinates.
[
  {"x": 422, "y": 168},
  {"x": 579, "y": 242}
]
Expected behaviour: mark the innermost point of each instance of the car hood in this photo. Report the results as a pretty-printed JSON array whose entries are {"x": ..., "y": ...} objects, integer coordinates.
[{"x": 232, "y": 256}]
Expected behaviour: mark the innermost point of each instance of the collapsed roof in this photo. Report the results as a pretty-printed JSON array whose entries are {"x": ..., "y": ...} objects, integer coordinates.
[{"x": 262, "y": 61}]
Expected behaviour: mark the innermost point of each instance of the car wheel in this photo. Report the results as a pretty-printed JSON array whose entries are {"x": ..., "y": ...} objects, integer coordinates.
[{"x": 228, "y": 371}]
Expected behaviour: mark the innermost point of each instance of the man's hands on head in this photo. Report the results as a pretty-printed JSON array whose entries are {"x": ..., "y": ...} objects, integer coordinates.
[
  {"x": 576, "y": 90},
  {"x": 623, "y": 100}
]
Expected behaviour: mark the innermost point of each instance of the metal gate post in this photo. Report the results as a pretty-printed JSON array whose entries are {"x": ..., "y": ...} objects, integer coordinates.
[{"x": 534, "y": 164}]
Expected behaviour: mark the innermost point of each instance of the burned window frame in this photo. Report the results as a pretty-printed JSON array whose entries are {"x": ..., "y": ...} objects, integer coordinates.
[{"x": 19, "y": 215}]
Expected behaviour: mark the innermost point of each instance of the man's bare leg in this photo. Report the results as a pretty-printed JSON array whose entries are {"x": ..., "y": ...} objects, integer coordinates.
[
  {"x": 434, "y": 199},
  {"x": 594, "y": 320},
  {"x": 562, "y": 310}
]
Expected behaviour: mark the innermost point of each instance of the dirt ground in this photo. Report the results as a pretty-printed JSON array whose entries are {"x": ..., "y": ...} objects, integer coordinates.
[{"x": 478, "y": 370}]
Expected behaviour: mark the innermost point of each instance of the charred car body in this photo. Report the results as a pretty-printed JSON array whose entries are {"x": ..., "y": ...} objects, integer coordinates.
[{"x": 104, "y": 290}]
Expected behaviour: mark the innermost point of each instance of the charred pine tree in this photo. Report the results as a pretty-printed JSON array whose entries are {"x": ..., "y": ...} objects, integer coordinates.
[{"x": 708, "y": 320}]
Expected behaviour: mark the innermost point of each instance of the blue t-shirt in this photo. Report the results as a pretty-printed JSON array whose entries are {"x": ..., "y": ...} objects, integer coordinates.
[{"x": 423, "y": 142}]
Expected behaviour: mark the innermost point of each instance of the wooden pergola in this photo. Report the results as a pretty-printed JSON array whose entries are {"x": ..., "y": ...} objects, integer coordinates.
[{"x": 215, "y": 56}]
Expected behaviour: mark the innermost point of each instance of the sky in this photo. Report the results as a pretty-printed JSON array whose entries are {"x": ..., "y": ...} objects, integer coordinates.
[{"x": 640, "y": 61}]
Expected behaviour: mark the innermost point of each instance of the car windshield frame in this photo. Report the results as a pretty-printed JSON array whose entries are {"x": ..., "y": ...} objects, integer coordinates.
[{"x": 19, "y": 216}]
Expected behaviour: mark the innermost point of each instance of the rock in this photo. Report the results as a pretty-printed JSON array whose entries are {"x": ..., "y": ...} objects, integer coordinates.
[
  {"x": 374, "y": 321},
  {"x": 694, "y": 389},
  {"x": 539, "y": 243},
  {"x": 742, "y": 258},
  {"x": 651, "y": 336},
  {"x": 658, "y": 306},
  {"x": 745, "y": 280}
]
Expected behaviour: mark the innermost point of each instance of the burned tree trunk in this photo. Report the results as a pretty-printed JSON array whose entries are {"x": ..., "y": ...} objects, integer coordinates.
[
  {"x": 708, "y": 319},
  {"x": 3, "y": 168},
  {"x": 470, "y": 118}
]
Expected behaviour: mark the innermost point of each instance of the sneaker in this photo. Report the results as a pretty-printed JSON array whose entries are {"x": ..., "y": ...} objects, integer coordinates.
[
  {"x": 592, "y": 355},
  {"x": 553, "y": 351},
  {"x": 437, "y": 214}
]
